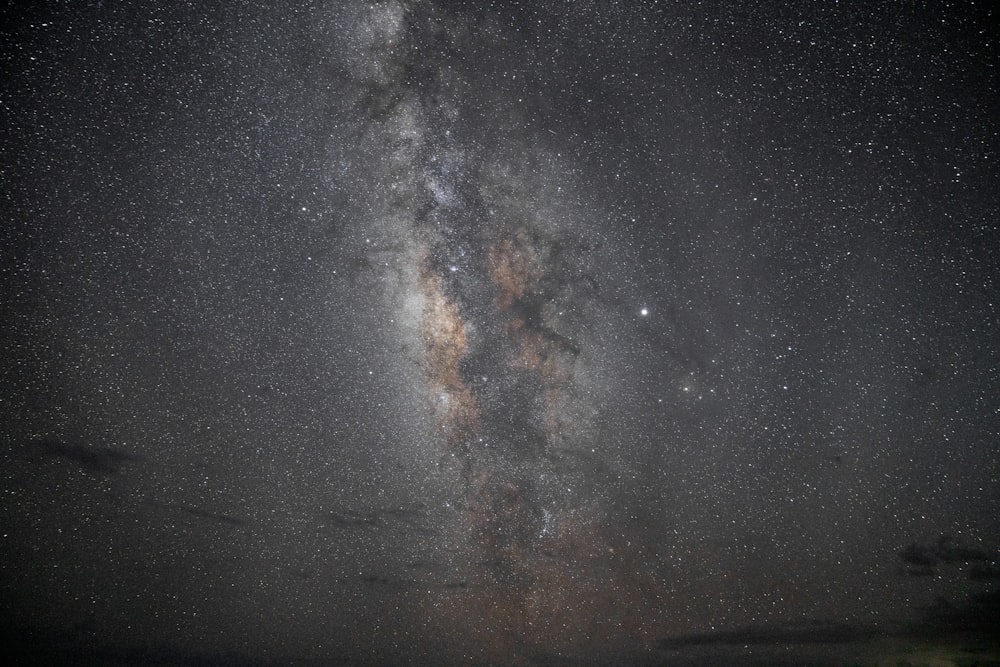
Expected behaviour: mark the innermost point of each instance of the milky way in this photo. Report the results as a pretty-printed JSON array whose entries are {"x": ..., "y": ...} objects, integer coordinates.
[{"x": 503, "y": 273}]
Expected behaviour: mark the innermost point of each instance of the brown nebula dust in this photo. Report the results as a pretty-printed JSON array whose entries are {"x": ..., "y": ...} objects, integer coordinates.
[{"x": 550, "y": 569}]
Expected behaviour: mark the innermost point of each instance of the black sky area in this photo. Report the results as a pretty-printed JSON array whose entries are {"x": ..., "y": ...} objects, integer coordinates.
[{"x": 499, "y": 333}]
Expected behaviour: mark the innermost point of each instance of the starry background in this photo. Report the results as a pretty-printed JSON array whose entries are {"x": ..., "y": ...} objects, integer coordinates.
[{"x": 499, "y": 333}]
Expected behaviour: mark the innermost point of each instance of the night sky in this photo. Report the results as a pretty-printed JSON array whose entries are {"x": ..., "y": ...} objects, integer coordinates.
[{"x": 496, "y": 333}]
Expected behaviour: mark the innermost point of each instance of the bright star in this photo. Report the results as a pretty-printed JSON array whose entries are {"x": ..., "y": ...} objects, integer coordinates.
[{"x": 644, "y": 312}]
